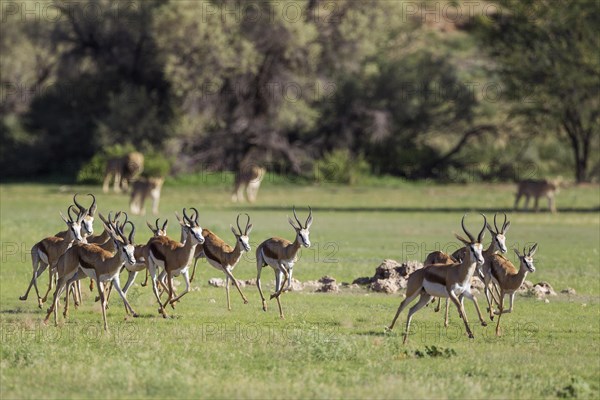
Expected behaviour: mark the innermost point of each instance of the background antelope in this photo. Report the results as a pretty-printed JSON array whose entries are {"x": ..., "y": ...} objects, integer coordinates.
[
  {"x": 247, "y": 180},
  {"x": 281, "y": 255},
  {"x": 122, "y": 169},
  {"x": 98, "y": 264},
  {"x": 140, "y": 190},
  {"x": 508, "y": 278},
  {"x": 46, "y": 252},
  {"x": 223, "y": 257},
  {"x": 444, "y": 281},
  {"x": 536, "y": 188},
  {"x": 174, "y": 257}
]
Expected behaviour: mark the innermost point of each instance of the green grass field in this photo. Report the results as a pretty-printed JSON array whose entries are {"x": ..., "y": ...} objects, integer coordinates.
[{"x": 329, "y": 345}]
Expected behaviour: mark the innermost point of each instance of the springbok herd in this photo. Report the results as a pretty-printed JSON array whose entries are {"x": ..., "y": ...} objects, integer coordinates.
[{"x": 76, "y": 253}]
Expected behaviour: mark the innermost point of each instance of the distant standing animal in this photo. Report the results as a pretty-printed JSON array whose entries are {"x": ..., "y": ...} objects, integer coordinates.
[
  {"x": 123, "y": 169},
  {"x": 537, "y": 189},
  {"x": 247, "y": 180},
  {"x": 143, "y": 188}
]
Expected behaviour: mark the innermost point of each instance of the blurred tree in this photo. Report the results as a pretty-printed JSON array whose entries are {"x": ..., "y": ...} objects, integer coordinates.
[
  {"x": 110, "y": 85},
  {"x": 547, "y": 55}
]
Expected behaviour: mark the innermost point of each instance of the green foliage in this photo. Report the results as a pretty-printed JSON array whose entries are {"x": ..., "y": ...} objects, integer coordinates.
[
  {"x": 340, "y": 166},
  {"x": 92, "y": 172},
  {"x": 577, "y": 389},
  {"x": 434, "y": 352},
  {"x": 156, "y": 165}
]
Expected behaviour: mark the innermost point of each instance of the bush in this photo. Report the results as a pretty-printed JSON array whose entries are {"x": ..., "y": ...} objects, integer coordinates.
[
  {"x": 93, "y": 171},
  {"x": 340, "y": 166},
  {"x": 156, "y": 165}
]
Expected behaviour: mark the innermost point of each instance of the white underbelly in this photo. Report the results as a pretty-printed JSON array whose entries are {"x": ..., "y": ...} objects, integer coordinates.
[
  {"x": 435, "y": 289},
  {"x": 215, "y": 264},
  {"x": 90, "y": 272},
  {"x": 43, "y": 257},
  {"x": 274, "y": 263}
]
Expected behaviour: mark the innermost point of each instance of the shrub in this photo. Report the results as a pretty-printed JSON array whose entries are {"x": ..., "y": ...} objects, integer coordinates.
[{"x": 340, "y": 166}]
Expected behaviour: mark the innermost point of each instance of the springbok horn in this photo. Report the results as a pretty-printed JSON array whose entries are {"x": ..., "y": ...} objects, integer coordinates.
[
  {"x": 132, "y": 233},
  {"x": 309, "y": 218},
  {"x": 81, "y": 208},
  {"x": 296, "y": 216},
  {"x": 186, "y": 218},
  {"x": 164, "y": 227},
  {"x": 505, "y": 222},
  {"x": 480, "y": 236},
  {"x": 495, "y": 225},
  {"x": 196, "y": 214},
  {"x": 247, "y": 224},
  {"x": 71, "y": 207},
  {"x": 92, "y": 209},
  {"x": 237, "y": 221},
  {"x": 462, "y": 222}
]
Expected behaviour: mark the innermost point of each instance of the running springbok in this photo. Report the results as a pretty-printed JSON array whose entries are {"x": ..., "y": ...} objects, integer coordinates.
[
  {"x": 498, "y": 245},
  {"x": 46, "y": 253},
  {"x": 281, "y": 255},
  {"x": 98, "y": 264},
  {"x": 444, "y": 281},
  {"x": 508, "y": 278},
  {"x": 174, "y": 257},
  {"x": 223, "y": 257}
]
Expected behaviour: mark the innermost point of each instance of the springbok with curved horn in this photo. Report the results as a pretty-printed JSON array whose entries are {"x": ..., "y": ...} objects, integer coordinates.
[
  {"x": 174, "y": 257},
  {"x": 281, "y": 255},
  {"x": 444, "y": 281},
  {"x": 508, "y": 278},
  {"x": 87, "y": 223},
  {"x": 98, "y": 264},
  {"x": 46, "y": 252},
  {"x": 223, "y": 257},
  {"x": 141, "y": 256},
  {"x": 498, "y": 245}
]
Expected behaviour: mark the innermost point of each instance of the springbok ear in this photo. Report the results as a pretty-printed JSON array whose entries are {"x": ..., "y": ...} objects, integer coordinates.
[
  {"x": 309, "y": 221},
  {"x": 533, "y": 250},
  {"x": 179, "y": 219},
  {"x": 506, "y": 227},
  {"x": 517, "y": 253},
  {"x": 233, "y": 230},
  {"x": 150, "y": 226},
  {"x": 292, "y": 223},
  {"x": 248, "y": 229},
  {"x": 63, "y": 217},
  {"x": 489, "y": 228},
  {"x": 465, "y": 241}
]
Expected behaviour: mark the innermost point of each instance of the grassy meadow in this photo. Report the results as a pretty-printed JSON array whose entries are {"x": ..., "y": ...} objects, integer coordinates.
[{"x": 329, "y": 345}]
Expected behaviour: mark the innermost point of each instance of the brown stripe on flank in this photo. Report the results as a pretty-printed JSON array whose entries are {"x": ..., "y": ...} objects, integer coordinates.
[
  {"x": 156, "y": 252},
  {"x": 209, "y": 254},
  {"x": 435, "y": 278},
  {"x": 267, "y": 252},
  {"x": 85, "y": 264},
  {"x": 42, "y": 248}
]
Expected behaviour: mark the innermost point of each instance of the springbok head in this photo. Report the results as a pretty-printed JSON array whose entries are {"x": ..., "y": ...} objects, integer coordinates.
[
  {"x": 242, "y": 236},
  {"x": 474, "y": 246},
  {"x": 124, "y": 244},
  {"x": 302, "y": 232},
  {"x": 499, "y": 235},
  {"x": 156, "y": 229},
  {"x": 527, "y": 257},
  {"x": 88, "y": 214},
  {"x": 73, "y": 224},
  {"x": 190, "y": 226}
]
